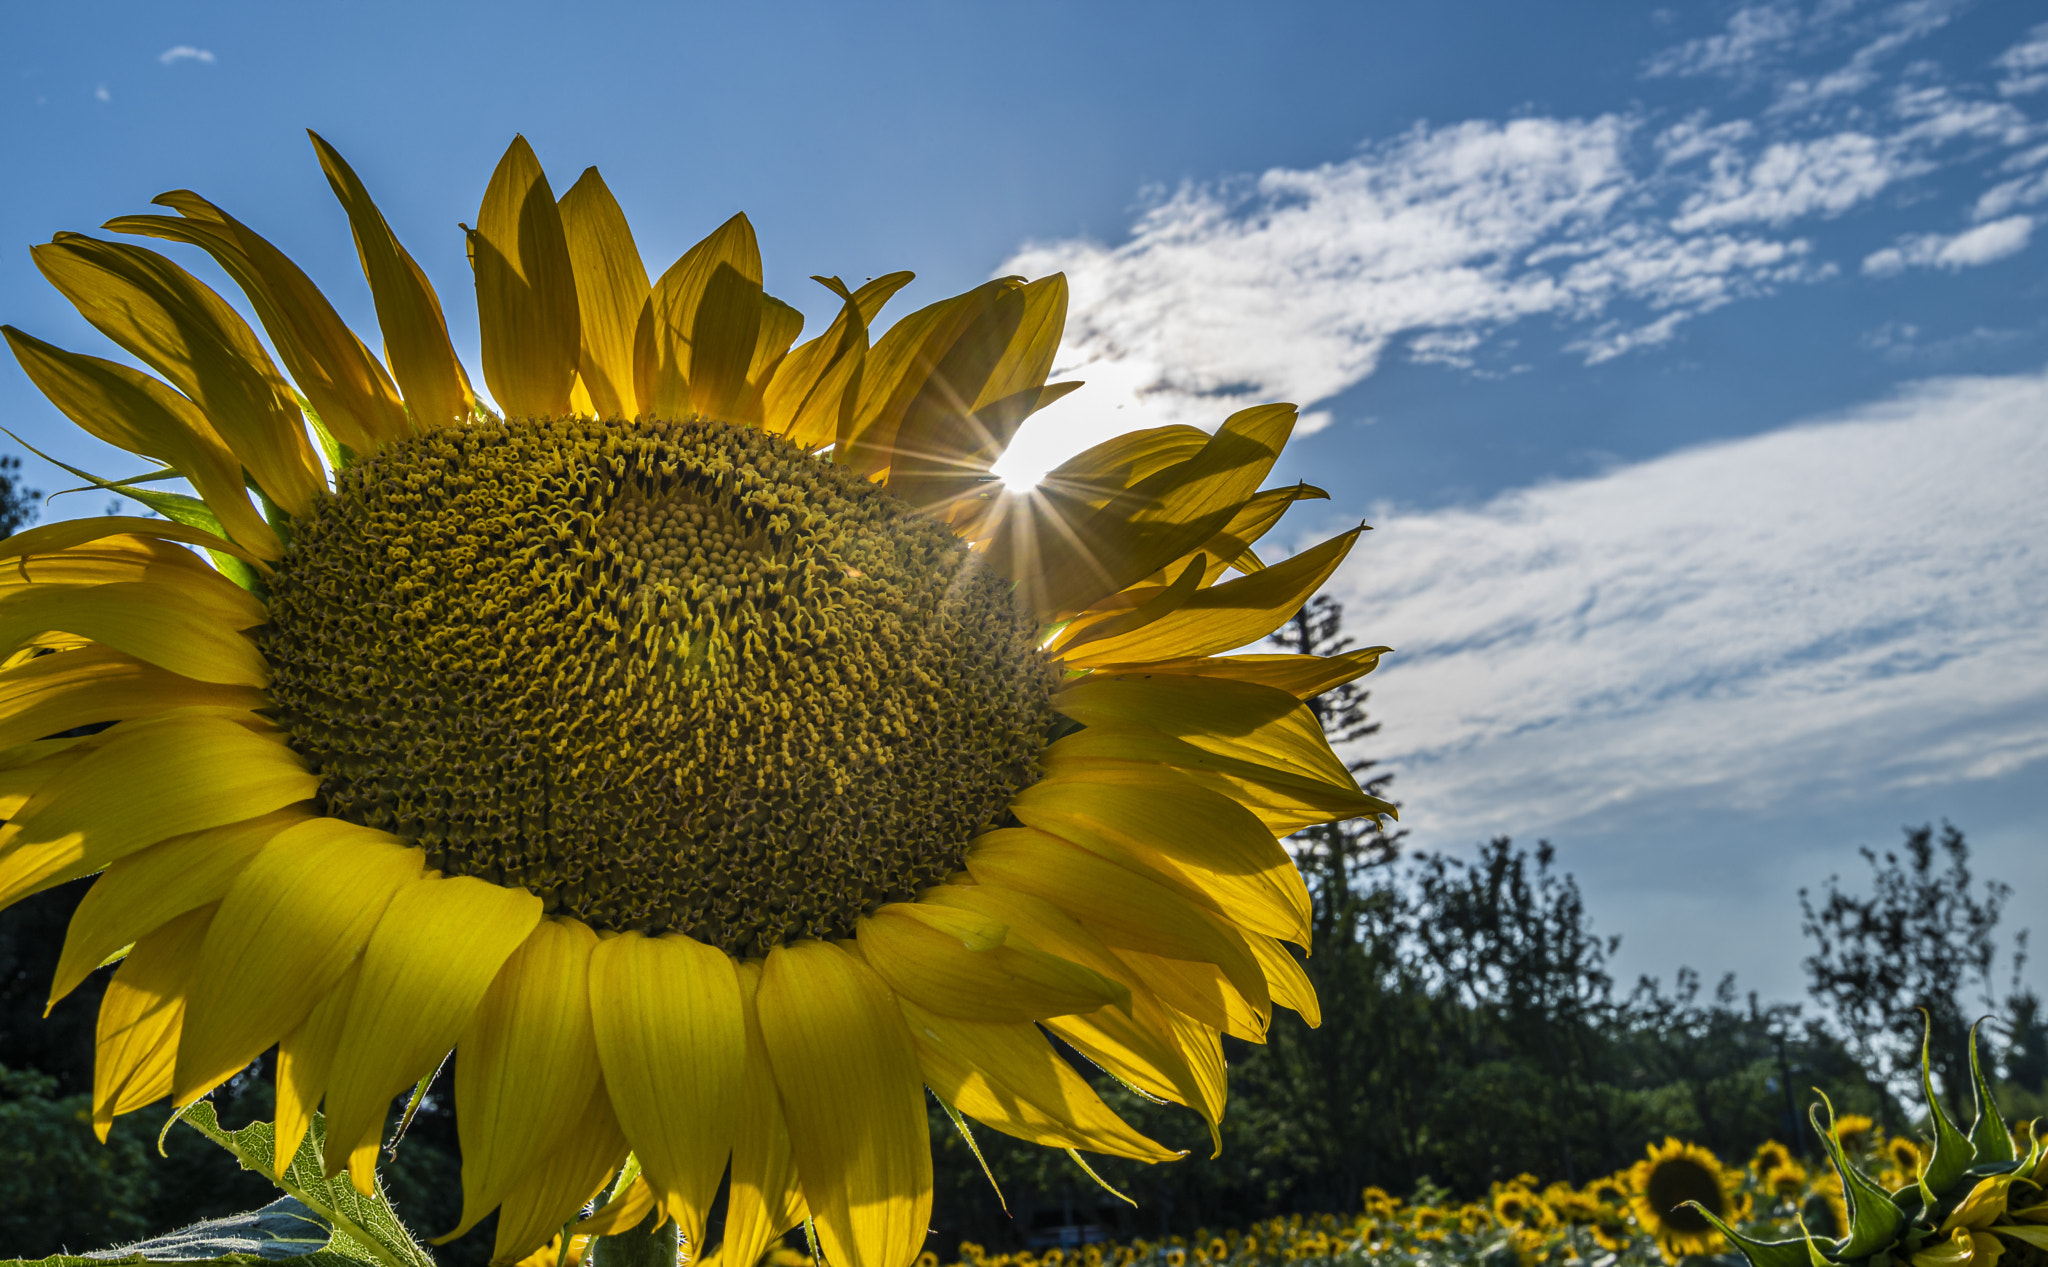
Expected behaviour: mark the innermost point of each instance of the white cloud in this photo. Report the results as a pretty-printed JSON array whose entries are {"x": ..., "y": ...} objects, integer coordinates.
[
  {"x": 101, "y": 94},
  {"x": 1791, "y": 179},
  {"x": 2025, "y": 65},
  {"x": 185, "y": 53},
  {"x": 1817, "y": 613},
  {"x": 1753, "y": 35},
  {"x": 1294, "y": 283},
  {"x": 1617, "y": 230},
  {"x": 1968, "y": 249}
]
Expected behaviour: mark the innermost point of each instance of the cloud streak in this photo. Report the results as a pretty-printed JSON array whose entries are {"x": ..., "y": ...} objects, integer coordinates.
[
  {"x": 185, "y": 53},
  {"x": 1824, "y": 612},
  {"x": 1297, "y": 284}
]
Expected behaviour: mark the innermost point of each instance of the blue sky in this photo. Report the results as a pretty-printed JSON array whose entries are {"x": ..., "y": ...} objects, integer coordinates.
[{"x": 1689, "y": 361}]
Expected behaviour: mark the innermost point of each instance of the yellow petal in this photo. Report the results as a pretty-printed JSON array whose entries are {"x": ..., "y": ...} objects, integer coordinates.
[
  {"x": 526, "y": 298},
  {"x": 560, "y": 1181},
  {"x": 184, "y": 331},
  {"x": 146, "y": 890},
  {"x": 1285, "y": 979},
  {"x": 1138, "y": 530},
  {"x": 812, "y": 394},
  {"x": 1239, "y": 719},
  {"x": 726, "y": 329},
  {"x": 1302, "y": 676},
  {"x": 673, "y": 1046},
  {"x": 1117, "y": 904},
  {"x": 661, "y": 339},
  {"x": 342, "y": 379},
  {"x": 305, "y": 1059},
  {"x": 1200, "y": 991},
  {"x": 765, "y": 1200},
  {"x": 437, "y": 391},
  {"x": 945, "y": 443},
  {"x": 1131, "y": 609},
  {"x": 611, "y": 289},
  {"x": 151, "y": 781},
  {"x": 850, "y": 1085},
  {"x": 1107, "y": 745},
  {"x": 955, "y": 963},
  {"x": 622, "y": 1212},
  {"x": 1203, "y": 842},
  {"x": 138, "y": 558},
  {"x": 1137, "y": 1047},
  {"x": 1232, "y": 546},
  {"x": 289, "y": 928},
  {"x": 526, "y": 1065},
  {"x": 141, "y": 1016},
  {"x": 66, "y": 533},
  {"x": 1202, "y": 1047},
  {"x": 149, "y": 620},
  {"x": 1008, "y": 1077},
  {"x": 427, "y": 966},
  {"x": 130, "y": 410},
  {"x": 1234, "y": 614},
  {"x": 26, "y": 769},
  {"x": 54, "y": 693}
]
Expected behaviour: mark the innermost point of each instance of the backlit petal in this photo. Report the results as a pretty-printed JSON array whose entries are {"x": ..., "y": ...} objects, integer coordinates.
[
  {"x": 673, "y": 1046},
  {"x": 850, "y": 1085},
  {"x": 434, "y": 953},
  {"x": 289, "y": 928}
]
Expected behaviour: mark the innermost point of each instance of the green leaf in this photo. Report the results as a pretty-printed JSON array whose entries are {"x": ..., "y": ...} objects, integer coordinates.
[
  {"x": 1988, "y": 1134},
  {"x": 365, "y": 1228},
  {"x": 1952, "y": 1152},
  {"x": 286, "y": 1229},
  {"x": 1874, "y": 1221},
  {"x": 176, "y": 507}
]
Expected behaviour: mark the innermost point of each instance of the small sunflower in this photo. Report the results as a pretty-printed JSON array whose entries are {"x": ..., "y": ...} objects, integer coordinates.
[
  {"x": 1787, "y": 1181},
  {"x": 1673, "y": 1174},
  {"x": 1611, "y": 1193},
  {"x": 1570, "y": 1204},
  {"x": 1516, "y": 1206},
  {"x": 1769, "y": 1156},
  {"x": 1612, "y": 1235},
  {"x": 1855, "y": 1132},
  {"x": 1905, "y": 1155},
  {"x": 704, "y": 743}
]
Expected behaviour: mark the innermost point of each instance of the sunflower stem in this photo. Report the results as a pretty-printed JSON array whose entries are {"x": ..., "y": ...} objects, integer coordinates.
[{"x": 643, "y": 1246}]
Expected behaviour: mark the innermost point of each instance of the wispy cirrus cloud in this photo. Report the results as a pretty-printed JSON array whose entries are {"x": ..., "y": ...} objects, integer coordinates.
[
  {"x": 185, "y": 53},
  {"x": 1617, "y": 230},
  {"x": 1968, "y": 249},
  {"x": 1824, "y": 611}
]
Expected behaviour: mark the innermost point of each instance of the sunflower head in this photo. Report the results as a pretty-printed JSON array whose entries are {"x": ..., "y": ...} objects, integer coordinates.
[
  {"x": 1855, "y": 1132},
  {"x": 1786, "y": 1182},
  {"x": 1770, "y": 1155},
  {"x": 1673, "y": 1175},
  {"x": 1905, "y": 1154},
  {"x": 689, "y": 726}
]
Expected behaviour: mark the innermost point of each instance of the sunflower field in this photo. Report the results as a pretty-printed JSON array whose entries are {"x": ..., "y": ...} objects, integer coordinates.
[{"x": 1633, "y": 1217}]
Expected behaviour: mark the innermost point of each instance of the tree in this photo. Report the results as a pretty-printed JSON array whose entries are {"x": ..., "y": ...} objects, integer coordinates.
[
  {"x": 1920, "y": 942},
  {"x": 17, "y": 504}
]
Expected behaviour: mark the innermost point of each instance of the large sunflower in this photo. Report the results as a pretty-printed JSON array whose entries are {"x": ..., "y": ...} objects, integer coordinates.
[
  {"x": 1668, "y": 1182},
  {"x": 703, "y": 743}
]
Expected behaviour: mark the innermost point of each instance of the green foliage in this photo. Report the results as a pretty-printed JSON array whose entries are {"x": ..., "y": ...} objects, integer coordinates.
[
  {"x": 17, "y": 503},
  {"x": 365, "y": 1227},
  {"x": 58, "y": 1186}
]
